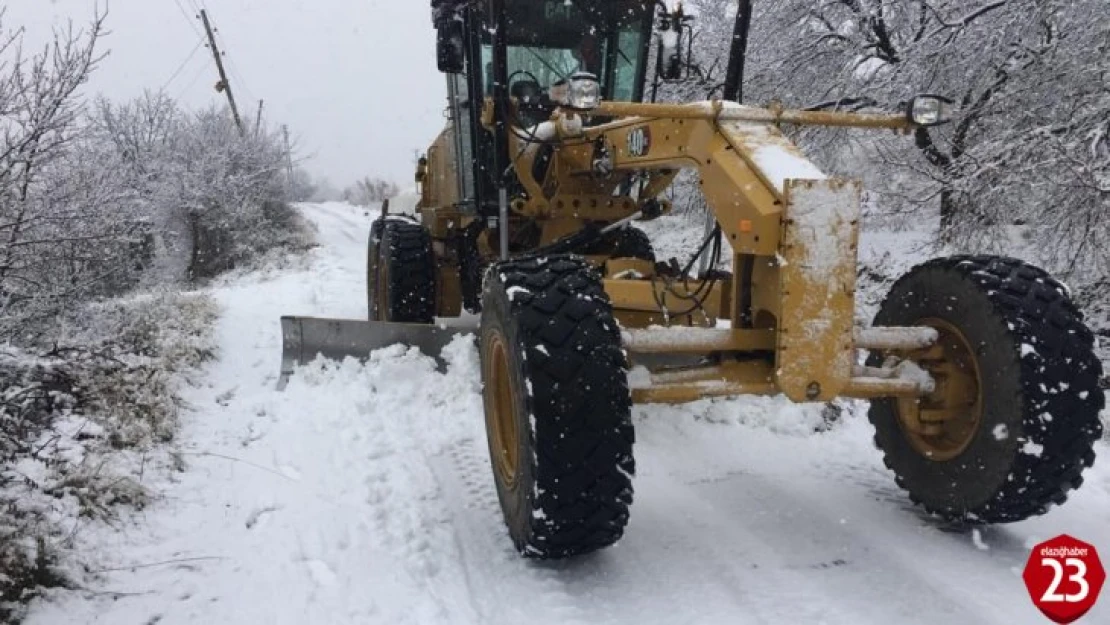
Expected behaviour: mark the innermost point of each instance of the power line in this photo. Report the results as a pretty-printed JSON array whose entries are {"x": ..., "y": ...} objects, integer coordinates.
[
  {"x": 192, "y": 81},
  {"x": 190, "y": 19},
  {"x": 181, "y": 67},
  {"x": 238, "y": 76},
  {"x": 195, "y": 6}
]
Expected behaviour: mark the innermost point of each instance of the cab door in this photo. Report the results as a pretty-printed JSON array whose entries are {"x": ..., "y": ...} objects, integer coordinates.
[{"x": 461, "y": 111}]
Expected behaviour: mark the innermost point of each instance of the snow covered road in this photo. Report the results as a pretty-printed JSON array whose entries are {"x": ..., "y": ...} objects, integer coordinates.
[{"x": 363, "y": 494}]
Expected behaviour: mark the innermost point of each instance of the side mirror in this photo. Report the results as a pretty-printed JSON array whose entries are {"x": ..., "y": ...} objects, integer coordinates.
[
  {"x": 673, "y": 39},
  {"x": 450, "y": 57}
]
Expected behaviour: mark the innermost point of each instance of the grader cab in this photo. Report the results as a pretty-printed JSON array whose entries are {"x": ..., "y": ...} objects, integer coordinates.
[{"x": 980, "y": 370}]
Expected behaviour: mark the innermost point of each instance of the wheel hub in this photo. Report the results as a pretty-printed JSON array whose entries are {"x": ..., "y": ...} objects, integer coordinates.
[
  {"x": 383, "y": 291},
  {"x": 501, "y": 406},
  {"x": 941, "y": 425}
]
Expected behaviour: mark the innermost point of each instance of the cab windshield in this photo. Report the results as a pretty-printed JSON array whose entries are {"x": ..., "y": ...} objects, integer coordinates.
[{"x": 552, "y": 39}]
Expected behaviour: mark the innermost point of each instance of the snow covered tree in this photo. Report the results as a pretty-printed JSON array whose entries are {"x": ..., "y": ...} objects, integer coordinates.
[
  {"x": 1031, "y": 82},
  {"x": 370, "y": 190},
  {"x": 213, "y": 198},
  {"x": 231, "y": 191},
  {"x": 52, "y": 253},
  {"x": 302, "y": 188}
]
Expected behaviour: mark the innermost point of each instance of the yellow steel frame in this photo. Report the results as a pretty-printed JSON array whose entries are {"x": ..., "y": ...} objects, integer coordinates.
[
  {"x": 778, "y": 211},
  {"x": 794, "y": 228}
]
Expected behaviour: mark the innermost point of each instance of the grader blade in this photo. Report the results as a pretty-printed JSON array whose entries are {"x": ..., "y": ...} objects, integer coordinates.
[{"x": 306, "y": 338}]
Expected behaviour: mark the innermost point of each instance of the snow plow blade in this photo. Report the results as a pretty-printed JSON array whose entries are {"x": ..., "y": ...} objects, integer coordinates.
[{"x": 305, "y": 338}]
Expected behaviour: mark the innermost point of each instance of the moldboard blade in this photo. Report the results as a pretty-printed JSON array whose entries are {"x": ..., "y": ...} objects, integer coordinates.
[{"x": 305, "y": 338}]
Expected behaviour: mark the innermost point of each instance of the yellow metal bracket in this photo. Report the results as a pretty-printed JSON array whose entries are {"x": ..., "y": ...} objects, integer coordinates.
[{"x": 818, "y": 282}]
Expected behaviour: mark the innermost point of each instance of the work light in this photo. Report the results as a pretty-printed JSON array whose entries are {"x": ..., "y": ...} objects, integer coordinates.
[
  {"x": 581, "y": 91},
  {"x": 930, "y": 110}
]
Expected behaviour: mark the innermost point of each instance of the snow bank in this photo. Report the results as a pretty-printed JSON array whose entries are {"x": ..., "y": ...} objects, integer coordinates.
[{"x": 79, "y": 426}]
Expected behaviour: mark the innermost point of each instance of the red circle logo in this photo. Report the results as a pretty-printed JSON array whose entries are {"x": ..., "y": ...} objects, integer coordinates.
[{"x": 1064, "y": 577}]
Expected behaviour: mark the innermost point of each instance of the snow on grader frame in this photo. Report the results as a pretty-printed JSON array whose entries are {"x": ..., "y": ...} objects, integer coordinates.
[{"x": 981, "y": 373}]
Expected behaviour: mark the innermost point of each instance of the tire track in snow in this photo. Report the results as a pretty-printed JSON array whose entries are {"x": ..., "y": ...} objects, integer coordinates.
[
  {"x": 351, "y": 221},
  {"x": 379, "y": 465},
  {"x": 505, "y": 588},
  {"x": 813, "y": 527}
]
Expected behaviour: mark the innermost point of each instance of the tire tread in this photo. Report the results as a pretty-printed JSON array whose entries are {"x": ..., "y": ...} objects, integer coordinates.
[
  {"x": 407, "y": 248},
  {"x": 1039, "y": 312},
  {"x": 583, "y": 435}
]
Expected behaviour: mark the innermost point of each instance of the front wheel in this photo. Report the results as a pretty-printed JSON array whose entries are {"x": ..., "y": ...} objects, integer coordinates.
[
  {"x": 557, "y": 406},
  {"x": 1013, "y": 419}
]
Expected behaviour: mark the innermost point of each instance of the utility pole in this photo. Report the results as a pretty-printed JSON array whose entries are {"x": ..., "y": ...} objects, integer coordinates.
[
  {"x": 288, "y": 157},
  {"x": 224, "y": 85},
  {"x": 258, "y": 120}
]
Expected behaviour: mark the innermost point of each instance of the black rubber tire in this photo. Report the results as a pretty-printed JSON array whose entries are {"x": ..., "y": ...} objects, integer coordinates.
[
  {"x": 401, "y": 262},
  {"x": 573, "y": 487},
  {"x": 373, "y": 257},
  {"x": 1040, "y": 393},
  {"x": 627, "y": 242}
]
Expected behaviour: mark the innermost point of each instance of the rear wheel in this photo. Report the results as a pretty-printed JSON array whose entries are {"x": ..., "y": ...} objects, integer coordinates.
[
  {"x": 401, "y": 273},
  {"x": 1015, "y": 414},
  {"x": 557, "y": 405}
]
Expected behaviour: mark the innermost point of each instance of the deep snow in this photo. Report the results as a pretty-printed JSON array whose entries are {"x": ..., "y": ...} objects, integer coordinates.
[{"x": 362, "y": 494}]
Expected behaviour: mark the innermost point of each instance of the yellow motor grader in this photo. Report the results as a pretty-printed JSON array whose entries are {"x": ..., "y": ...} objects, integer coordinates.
[{"x": 980, "y": 370}]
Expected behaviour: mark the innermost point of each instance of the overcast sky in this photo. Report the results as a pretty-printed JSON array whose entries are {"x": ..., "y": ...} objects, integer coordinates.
[{"x": 354, "y": 79}]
